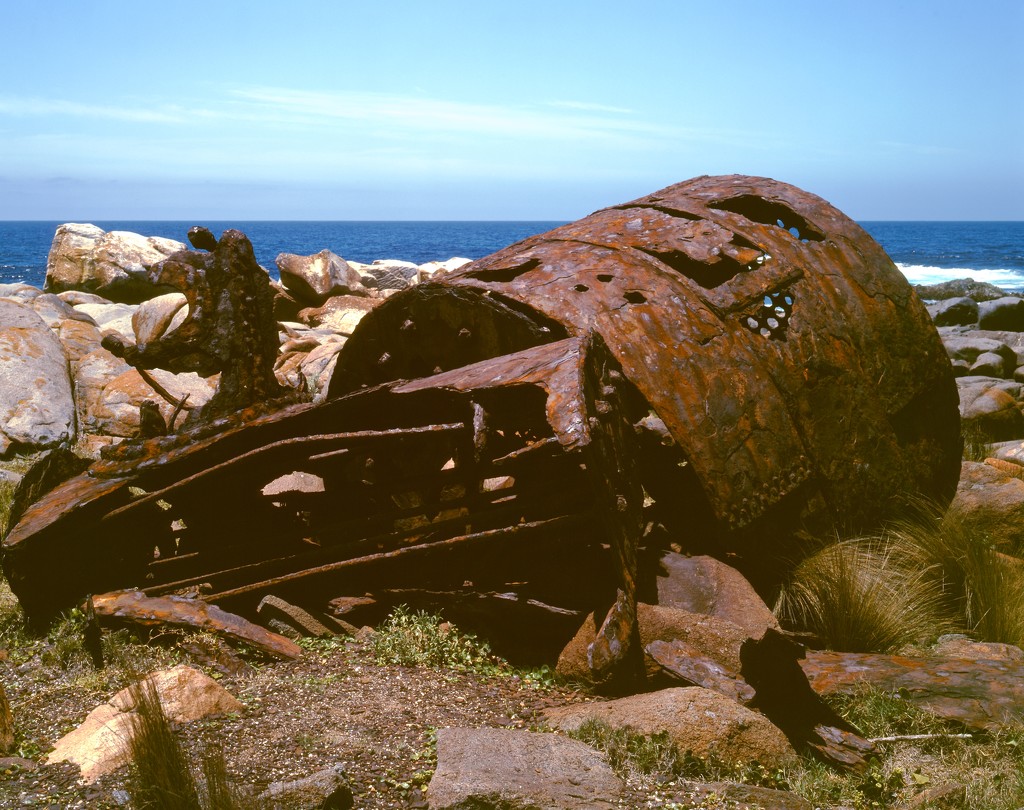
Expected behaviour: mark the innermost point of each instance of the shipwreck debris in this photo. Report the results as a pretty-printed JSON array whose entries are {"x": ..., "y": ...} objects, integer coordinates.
[
  {"x": 230, "y": 327},
  {"x": 723, "y": 364}
]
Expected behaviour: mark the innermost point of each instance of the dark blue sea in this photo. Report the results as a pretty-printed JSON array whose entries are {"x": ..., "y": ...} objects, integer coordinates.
[{"x": 926, "y": 252}]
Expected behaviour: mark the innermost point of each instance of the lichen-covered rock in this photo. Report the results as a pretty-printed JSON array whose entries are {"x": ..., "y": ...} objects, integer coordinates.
[
  {"x": 115, "y": 264},
  {"x": 697, "y": 720},
  {"x": 53, "y": 310},
  {"x": 500, "y": 768},
  {"x": 109, "y": 392},
  {"x": 22, "y": 293},
  {"x": 969, "y": 347},
  {"x": 314, "y": 279},
  {"x": 961, "y": 287},
  {"x": 712, "y": 637},
  {"x": 388, "y": 274},
  {"x": 990, "y": 501},
  {"x": 980, "y": 688},
  {"x": 340, "y": 314},
  {"x": 990, "y": 364},
  {"x": 324, "y": 790},
  {"x": 111, "y": 317},
  {"x": 36, "y": 404},
  {"x": 992, "y": 407},
  {"x": 157, "y": 316}
]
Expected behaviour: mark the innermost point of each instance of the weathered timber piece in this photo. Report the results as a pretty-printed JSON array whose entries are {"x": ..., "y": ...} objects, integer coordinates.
[
  {"x": 134, "y": 607},
  {"x": 230, "y": 327},
  {"x": 981, "y": 693},
  {"x": 784, "y": 352}
]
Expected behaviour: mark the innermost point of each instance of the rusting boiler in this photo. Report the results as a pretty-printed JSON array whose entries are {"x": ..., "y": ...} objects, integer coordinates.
[{"x": 727, "y": 364}]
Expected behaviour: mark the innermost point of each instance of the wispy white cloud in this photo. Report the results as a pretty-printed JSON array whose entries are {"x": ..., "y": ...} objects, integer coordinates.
[
  {"x": 24, "y": 107},
  {"x": 431, "y": 115},
  {"x": 589, "y": 106}
]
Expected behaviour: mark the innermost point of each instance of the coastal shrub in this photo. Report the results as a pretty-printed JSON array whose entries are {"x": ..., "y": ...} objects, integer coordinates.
[
  {"x": 860, "y": 596},
  {"x": 926, "y": 574},
  {"x": 982, "y": 590},
  {"x": 977, "y": 445},
  {"x": 6, "y": 494},
  {"x": 417, "y": 638}
]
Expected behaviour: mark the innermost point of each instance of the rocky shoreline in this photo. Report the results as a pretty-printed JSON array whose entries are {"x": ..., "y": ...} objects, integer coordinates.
[{"x": 63, "y": 388}]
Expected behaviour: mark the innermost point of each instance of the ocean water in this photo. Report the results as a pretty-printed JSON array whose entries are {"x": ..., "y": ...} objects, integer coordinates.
[{"x": 926, "y": 252}]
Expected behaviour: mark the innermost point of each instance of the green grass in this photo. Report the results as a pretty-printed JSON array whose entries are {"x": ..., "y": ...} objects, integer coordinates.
[
  {"x": 632, "y": 754},
  {"x": 984, "y": 772},
  {"x": 417, "y": 638}
]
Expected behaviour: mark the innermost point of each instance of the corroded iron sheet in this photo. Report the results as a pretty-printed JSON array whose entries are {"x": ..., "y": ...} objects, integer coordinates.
[{"x": 778, "y": 343}]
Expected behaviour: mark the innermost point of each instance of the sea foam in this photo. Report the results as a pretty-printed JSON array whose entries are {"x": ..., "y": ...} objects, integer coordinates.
[{"x": 924, "y": 274}]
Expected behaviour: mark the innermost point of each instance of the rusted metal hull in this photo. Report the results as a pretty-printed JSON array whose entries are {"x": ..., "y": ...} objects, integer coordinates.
[
  {"x": 791, "y": 362},
  {"x": 498, "y": 477},
  {"x": 723, "y": 364}
]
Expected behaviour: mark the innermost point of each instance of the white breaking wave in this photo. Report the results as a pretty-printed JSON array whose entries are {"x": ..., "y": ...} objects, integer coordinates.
[{"x": 923, "y": 274}]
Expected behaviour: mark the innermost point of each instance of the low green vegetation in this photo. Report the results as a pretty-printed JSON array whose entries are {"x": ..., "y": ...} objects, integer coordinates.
[
  {"x": 632, "y": 754},
  {"x": 925, "y": 575},
  {"x": 417, "y": 638}
]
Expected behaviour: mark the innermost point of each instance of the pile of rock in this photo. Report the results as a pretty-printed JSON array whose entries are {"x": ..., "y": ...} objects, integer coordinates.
[
  {"x": 982, "y": 328},
  {"x": 60, "y": 386}
]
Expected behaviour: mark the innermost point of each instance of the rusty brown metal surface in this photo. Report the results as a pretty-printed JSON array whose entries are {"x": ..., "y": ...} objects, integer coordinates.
[
  {"x": 775, "y": 339},
  {"x": 134, "y": 607},
  {"x": 723, "y": 365},
  {"x": 230, "y": 326},
  {"x": 494, "y": 477}
]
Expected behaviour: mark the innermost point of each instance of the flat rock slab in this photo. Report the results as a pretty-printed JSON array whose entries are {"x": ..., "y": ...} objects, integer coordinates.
[
  {"x": 705, "y": 585},
  {"x": 697, "y": 720},
  {"x": 516, "y": 770},
  {"x": 981, "y": 692}
]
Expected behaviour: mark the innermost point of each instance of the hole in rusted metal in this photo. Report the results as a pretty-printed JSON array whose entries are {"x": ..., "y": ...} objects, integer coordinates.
[
  {"x": 635, "y": 297},
  {"x": 772, "y": 317},
  {"x": 605, "y": 277},
  {"x": 504, "y": 274},
  {"x": 707, "y": 276},
  {"x": 581, "y": 288},
  {"x": 757, "y": 209}
]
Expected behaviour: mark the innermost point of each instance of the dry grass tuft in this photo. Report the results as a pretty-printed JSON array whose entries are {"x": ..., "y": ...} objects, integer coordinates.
[
  {"x": 163, "y": 777},
  {"x": 859, "y": 596},
  {"x": 924, "y": 575}
]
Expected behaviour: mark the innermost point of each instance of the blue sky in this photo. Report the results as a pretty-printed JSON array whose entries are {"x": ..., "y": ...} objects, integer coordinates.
[{"x": 485, "y": 110}]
